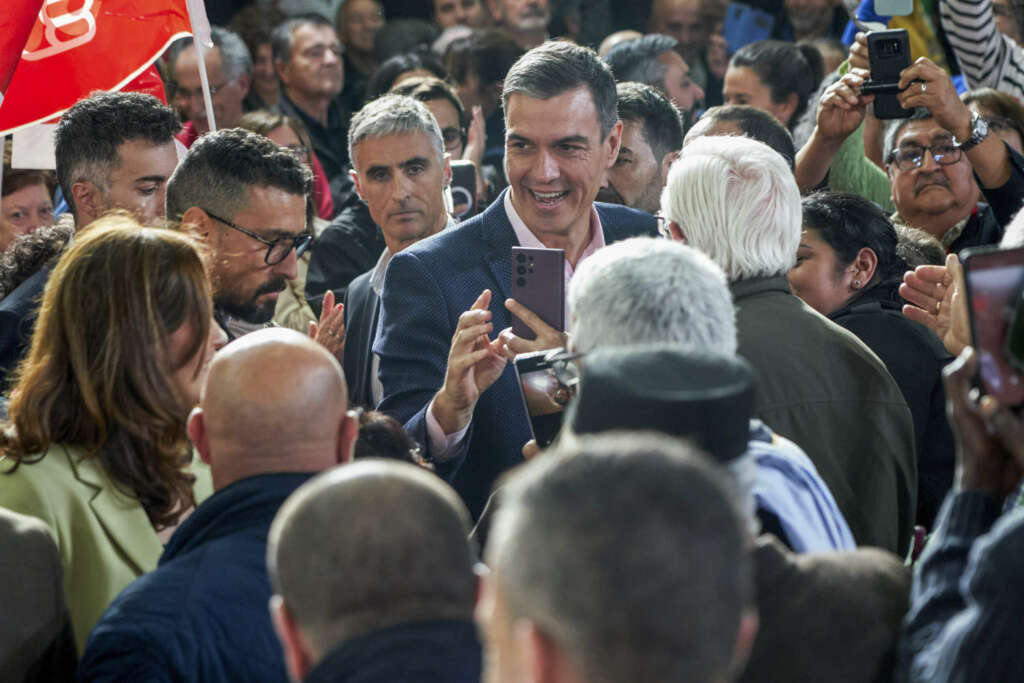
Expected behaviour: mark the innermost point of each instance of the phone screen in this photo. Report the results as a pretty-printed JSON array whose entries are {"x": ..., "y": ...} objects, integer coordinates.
[
  {"x": 547, "y": 381},
  {"x": 994, "y": 288}
]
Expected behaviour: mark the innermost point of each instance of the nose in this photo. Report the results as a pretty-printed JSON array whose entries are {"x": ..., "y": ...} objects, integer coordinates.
[
  {"x": 699, "y": 96},
  {"x": 547, "y": 167},
  {"x": 928, "y": 162},
  {"x": 289, "y": 267}
]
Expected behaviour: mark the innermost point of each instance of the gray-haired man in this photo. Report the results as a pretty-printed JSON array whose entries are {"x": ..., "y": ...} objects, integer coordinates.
[
  {"x": 229, "y": 68},
  {"x": 400, "y": 170}
]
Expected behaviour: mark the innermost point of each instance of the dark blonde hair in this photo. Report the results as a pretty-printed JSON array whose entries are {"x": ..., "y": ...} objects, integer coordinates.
[{"x": 98, "y": 373}]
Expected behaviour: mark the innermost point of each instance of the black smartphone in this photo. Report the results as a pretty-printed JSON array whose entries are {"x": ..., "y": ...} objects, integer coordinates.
[
  {"x": 995, "y": 283},
  {"x": 547, "y": 381},
  {"x": 538, "y": 282},
  {"x": 889, "y": 55},
  {"x": 463, "y": 189}
]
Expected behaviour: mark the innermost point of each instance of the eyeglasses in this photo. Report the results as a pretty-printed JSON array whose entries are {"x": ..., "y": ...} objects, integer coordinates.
[
  {"x": 277, "y": 250},
  {"x": 911, "y": 157},
  {"x": 452, "y": 138},
  {"x": 177, "y": 92},
  {"x": 662, "y": 225}
]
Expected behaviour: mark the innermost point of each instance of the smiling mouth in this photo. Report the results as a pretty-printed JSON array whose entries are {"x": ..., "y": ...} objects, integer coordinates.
[{"x": 549, "y": 198}]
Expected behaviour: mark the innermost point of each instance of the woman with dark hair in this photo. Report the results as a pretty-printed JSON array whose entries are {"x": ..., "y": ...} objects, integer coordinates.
[
  {"x": 396, "y": 69},
  {"x": 95, "y": 445},
  {"x": 848, "y": 269},
  {"x": 775, "y": 76}
]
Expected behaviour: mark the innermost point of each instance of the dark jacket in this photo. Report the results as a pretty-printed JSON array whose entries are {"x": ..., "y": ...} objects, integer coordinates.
[
  {"x": 915, "y": 358},
  {"x": 18, "y": 312},
  {"x": 428, "y": 286},
  {"x": 362, "y": 310},
  {"x": 348, "y": 247},
  {"x": 820, "y": 386},
  {"x": 826, "y": 617},
  {"x": 441, "y": 651},
  {"x": 202, "y": 614}
]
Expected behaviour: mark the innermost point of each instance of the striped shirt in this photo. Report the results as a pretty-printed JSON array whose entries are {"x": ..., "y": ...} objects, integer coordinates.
[{"x": 987, "y": 57}]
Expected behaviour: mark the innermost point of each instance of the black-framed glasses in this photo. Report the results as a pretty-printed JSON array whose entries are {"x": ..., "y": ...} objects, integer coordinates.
[
  {"x": 277, "y": 250},
  {"x": 662, "y": 225},
  {"x": 912, "y": 156},
  {"x": 452, "y": 137}
]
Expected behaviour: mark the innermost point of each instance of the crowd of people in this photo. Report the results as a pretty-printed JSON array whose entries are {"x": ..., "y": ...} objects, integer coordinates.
[{"x": 262, "y": 419}]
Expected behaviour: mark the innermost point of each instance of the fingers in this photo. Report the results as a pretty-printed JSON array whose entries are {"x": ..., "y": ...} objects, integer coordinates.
[
  {"x": 530, "y": 449},
  {"x": 921, "y": 295},
  {"x": 312, "y": 329},
  {"x": 482, "y": 301},
  {"x": 531, "y": 319},
  {"x": 327, "y": 304},
  {"x": 919, "y": 315}
]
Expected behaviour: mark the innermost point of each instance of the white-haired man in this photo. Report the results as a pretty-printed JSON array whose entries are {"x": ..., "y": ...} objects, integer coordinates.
[
  {"x": 736, "y": 200},
  {"x": 649, "y": 291}
]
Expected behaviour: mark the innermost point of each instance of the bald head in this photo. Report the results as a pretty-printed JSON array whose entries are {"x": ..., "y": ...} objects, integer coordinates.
[
  {"x": 274, "y": 401},
  {"x": 402, "y": 553}
]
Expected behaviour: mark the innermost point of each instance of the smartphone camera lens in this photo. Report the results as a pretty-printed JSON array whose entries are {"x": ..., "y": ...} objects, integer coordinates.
[
  {"x": 521, "y": 270},
  {"x": 521, "y": 282},
  {"x": 521, "y": 258}
]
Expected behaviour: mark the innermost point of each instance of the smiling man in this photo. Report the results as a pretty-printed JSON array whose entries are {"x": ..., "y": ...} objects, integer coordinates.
[
  {"x": 442, "y": 373},
  {"x": 400, "y": 170},
  {"x": 247, "y": 200},
  {"x": 525, "y": 21}
]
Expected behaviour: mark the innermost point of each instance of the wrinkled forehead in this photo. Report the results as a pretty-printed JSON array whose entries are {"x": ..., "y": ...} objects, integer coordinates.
[{"x": 922, "y": 132}]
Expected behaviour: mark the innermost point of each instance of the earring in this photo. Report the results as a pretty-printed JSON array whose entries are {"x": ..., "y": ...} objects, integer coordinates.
[{"x": 856, "y": 284}]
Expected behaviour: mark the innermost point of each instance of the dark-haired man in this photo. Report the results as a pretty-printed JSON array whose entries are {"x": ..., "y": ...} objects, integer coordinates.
[
  {"x": 308, "y": 60},
  {"x": 652, "y": 135},
  {"x": 448, "y": 13},
  {"x": 247, "y": 199},
  {"x": 653, "y": 60},
  {"x": 114, "y": 151},
  {"x": 445, "y": 295}
]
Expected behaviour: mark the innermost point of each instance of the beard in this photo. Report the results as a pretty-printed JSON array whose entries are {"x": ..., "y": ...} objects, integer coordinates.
[{"x": 251, "y": 310}]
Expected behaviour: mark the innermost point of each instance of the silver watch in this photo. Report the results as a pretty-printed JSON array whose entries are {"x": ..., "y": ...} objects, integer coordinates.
[{"x": 979, "y": 131}]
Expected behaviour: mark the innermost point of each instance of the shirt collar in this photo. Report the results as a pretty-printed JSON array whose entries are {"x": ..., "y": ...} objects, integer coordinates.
[
  {"x": 379, "y": 270},
  {"x": 526, "y": 238}
]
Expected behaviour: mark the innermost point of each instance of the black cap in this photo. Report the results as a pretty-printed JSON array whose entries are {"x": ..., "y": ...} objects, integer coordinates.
[{"x": 708, "y": 399}]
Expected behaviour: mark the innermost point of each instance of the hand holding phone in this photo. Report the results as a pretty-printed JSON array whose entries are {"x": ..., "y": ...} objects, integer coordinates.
[{"x": 547, "y": 381}]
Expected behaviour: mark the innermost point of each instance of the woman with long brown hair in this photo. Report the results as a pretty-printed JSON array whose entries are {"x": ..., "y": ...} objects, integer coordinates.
[{"x": 96, "y": 444}]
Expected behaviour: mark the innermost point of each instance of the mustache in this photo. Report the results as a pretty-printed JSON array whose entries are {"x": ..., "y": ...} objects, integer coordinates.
[
  {"x": 275, "y": 285},
  {"x": 931, "y": 179}
]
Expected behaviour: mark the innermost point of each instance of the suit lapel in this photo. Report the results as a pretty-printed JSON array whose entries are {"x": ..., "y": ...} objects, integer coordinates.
[
  {"x": 121, "y": 517},
  {"x": 500, "y": 237}
]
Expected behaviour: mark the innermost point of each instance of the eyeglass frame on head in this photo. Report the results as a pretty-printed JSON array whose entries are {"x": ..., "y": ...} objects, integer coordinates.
[{"x": 300, "y": 242}]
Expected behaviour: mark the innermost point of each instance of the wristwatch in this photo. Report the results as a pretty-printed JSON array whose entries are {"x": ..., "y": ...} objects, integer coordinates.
[{"x": 979, "y": 131}]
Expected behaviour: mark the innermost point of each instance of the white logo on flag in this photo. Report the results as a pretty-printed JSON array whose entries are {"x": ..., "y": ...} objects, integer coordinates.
[{"x": 54, "y": 45}]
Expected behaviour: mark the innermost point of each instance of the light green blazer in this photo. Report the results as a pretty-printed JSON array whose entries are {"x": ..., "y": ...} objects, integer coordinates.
[{"x": 105, "y": 538}]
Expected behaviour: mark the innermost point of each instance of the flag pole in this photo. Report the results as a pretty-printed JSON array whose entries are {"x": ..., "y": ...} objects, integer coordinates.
[{"x": 201, "y": 39}]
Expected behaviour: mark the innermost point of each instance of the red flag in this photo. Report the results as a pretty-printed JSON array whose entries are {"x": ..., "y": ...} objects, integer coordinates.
[
  {"x": 15, "y": 26},
  {"x": 77, "y": 46}
]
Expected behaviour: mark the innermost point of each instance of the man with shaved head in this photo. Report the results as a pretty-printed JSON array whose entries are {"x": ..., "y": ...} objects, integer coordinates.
[
  {"x": 273, "y": 412},
  {"x": 397, "y": 603}
]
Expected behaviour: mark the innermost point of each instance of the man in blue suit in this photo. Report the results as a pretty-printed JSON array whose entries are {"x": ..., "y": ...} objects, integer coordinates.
[{"x": 442, "y": 373}]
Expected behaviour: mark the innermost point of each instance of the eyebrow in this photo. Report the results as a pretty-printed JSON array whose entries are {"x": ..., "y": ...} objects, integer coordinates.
[
  {"x": 151, "y": 179},
  {"x": 423, "y": 161}
]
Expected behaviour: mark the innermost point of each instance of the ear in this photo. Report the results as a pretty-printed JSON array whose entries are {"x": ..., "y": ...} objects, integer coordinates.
[
  {"x": 297, "y": 655},
  {"x": 666, "y": 164},
  {"x": 447, "y": 171},
  {"x": 864, "y": 265},
  {"x": 281, "y": 69},
  {"x": 196, "y": 222},
  {"x": 88, "y": 201},
  {"x": 196, "y": 427},
  {"x": 244, "y": 81},
  {"x": 542, "y": 658},
  {"x": 676, "y": 232},
  {"x": 348, "y": 432},
  {"x": 745, "y": 639},
  {"x": 784, "y": 110},
  {"x": 612, "y": 143},
  {"x": 355, "y": 181}
]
